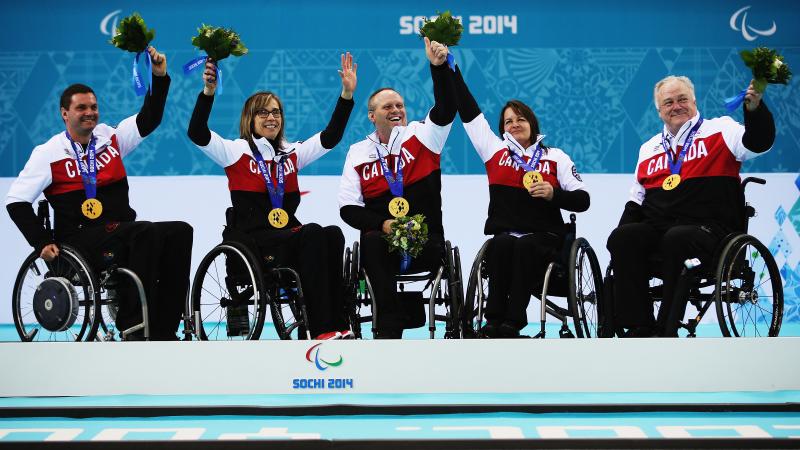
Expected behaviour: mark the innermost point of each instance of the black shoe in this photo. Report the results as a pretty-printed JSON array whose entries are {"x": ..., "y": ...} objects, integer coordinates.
[
  {"x": 508, "y": 331},
  {"x": 490, "y": 330},
  {"x": 389, "y": 334}
]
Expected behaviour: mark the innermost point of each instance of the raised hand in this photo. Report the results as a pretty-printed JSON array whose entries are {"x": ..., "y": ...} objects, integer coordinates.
[
  {"x": 210, "y": 77},
  {"x": 159, "y": 61},
  {"x": 348, "y": 76},
  {"x": 436, "y": 52},
  {"x": 752, "y": 98}
]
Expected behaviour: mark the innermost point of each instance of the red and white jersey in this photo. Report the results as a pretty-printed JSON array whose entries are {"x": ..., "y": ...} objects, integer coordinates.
[
  {"x": 417, "y": 149},
  {"x": 511, "y": 208},
  {"x": 709, "y": 188},
  {"x": 249, "y": 196},
  {"x": 52, "y": 169},
  {"x": 242, "y": 169}
]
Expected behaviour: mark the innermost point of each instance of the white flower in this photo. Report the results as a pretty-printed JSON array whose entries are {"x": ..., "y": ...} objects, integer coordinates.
[{"x": 777, "y": 63}]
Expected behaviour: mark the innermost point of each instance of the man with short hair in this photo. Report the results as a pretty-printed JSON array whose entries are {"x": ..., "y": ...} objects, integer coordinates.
[
  {"x": 81, "y": 173},
  {"x": 685, "y": 199},
  {"x": 393, "y": 172}
]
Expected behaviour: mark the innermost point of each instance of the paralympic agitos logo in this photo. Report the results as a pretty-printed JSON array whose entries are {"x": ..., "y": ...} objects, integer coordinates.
[{"x": 321, "y": 364}]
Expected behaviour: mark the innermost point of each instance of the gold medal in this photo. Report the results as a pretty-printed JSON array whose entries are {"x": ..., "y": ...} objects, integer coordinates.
[
  {"x": 398, "y": 207},
  {"x": 531, "y": 177},
  {"x": 278, "y": 217},
  {"x": 92, "y": 208},
  {"x": 671, "y": 182}
]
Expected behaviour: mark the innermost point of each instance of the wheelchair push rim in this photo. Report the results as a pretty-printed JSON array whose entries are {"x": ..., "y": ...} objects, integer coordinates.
[
  {"x": 749, "y": 291},
  {"x": 227, "y": 299},
  {"x": 585, "y": 288},
  {"x": 72, "y": 272}
]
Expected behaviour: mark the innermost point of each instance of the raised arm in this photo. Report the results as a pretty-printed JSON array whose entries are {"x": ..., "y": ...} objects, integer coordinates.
[
  {"x": 198, "y": 125},
  {"x": 444, "y": 107},
  {"x": 332, "y": 134},
  {"x": 149, "y": 117}
]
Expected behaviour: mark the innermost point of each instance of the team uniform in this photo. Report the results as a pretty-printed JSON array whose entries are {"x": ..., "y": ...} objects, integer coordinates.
[
  {"x": 528, "y": 232},
  {"x": 314, "y": 251},
  {"x": 158, "y": 252},
  {"x": 364, "y": 197},
  {"x": 687, "y": 221}
]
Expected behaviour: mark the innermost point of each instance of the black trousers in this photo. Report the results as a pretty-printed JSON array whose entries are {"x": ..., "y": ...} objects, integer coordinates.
[
  {"x": 160, "y": 253},
  {"x": 516, "y": 268},
  {"x": 315, "y": 252},
  {"x": 382, "y": 268},
  {"x": 631, "y": 246}
]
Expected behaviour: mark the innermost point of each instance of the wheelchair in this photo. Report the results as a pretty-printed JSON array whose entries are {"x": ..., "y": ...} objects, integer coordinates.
[
  {"x": 742, "y": 282},
  {"x": 575, "y": 276},
  {"x": 66, "y": 299},
  {"x": 443, "y": 287},
  {"x": 233, "y": 288}
]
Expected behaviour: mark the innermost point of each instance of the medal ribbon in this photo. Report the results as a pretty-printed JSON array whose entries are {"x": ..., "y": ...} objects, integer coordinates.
[
  {"x": 88, "y": 169},
  {"x": 676, "y": 163},
  {"x": 395, "y": 180},
  {"x": 537, "y": 153},
  {"x": 138, "y": 83},
  {"x": 275, "y": 193},
  {"x": 200, "y": 62}
]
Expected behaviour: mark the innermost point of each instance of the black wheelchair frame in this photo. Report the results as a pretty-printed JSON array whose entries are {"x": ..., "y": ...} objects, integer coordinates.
[
  {"x": 733, "y": 277},
  {"x": 575, "y": 276},
  {"x": 232, "y": 289},
  {"x": 67, "y": 291},
  {"x": 444, "y": 285}
]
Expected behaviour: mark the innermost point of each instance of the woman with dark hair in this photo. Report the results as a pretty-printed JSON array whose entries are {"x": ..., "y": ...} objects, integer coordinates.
[
  {"x": 262, "y": 168},
  {"x": 529, "y": 185}
]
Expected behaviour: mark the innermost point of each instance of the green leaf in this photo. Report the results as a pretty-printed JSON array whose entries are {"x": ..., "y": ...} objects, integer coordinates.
[
  {"x": 218, "y": 43},
  {"x": 445, "y": 29},
  {"x": 132, "y": 34}
]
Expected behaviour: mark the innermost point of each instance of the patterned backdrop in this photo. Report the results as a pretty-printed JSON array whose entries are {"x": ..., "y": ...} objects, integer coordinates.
[{"x": 586, "y": 69}]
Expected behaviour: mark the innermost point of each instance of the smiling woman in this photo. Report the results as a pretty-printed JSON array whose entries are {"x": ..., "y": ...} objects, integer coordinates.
[{"x": 261, "y": 166}]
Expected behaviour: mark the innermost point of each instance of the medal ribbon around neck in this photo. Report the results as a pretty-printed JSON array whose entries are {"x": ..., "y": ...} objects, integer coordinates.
[
  {"x": 91, "y": 207},
  {"x": 537, "y": 153},
  {"x": 275, "y": 193},
  {"x": 398, "y": 206},
  {"x": 531, "y": 175},
  {"x": 675, "y": 163}
]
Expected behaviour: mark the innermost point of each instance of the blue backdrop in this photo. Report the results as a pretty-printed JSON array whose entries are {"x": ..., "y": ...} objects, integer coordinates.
[{"x": 587, "y": 68}]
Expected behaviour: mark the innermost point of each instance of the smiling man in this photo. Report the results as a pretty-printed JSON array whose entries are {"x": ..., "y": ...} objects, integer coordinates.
[
  {"x": 81, "y": 173},
  {"x": 393, "y": 172},
  {"x": 685, "y": 198}
]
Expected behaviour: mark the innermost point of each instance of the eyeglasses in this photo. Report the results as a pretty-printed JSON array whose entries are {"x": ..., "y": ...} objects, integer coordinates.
[{"x": 265, "y": 113}]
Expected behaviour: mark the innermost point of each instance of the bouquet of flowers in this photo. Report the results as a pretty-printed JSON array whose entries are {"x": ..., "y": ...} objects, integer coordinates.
[
  {"x": 133, "y": 35},
  {"x": 446, "y": 30},
  {"x": 219, "y": 43},
  {"x": 409, "y": 235},
  {"x": 767, "y": 67}
]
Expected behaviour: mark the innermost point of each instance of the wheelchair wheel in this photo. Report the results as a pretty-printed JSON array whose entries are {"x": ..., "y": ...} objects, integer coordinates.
[
  {"x": 227, "y": 299},
  {"x": 748, "y": 292},
  {"x": 351, "y": 288},
  {"x": 286, "y": 303},
  {"x": 475, "y": 300},
  {"x": 56, "y": 300},
  {"x": 585, "y": 288},
  {"x": 453, "y": 295}
]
